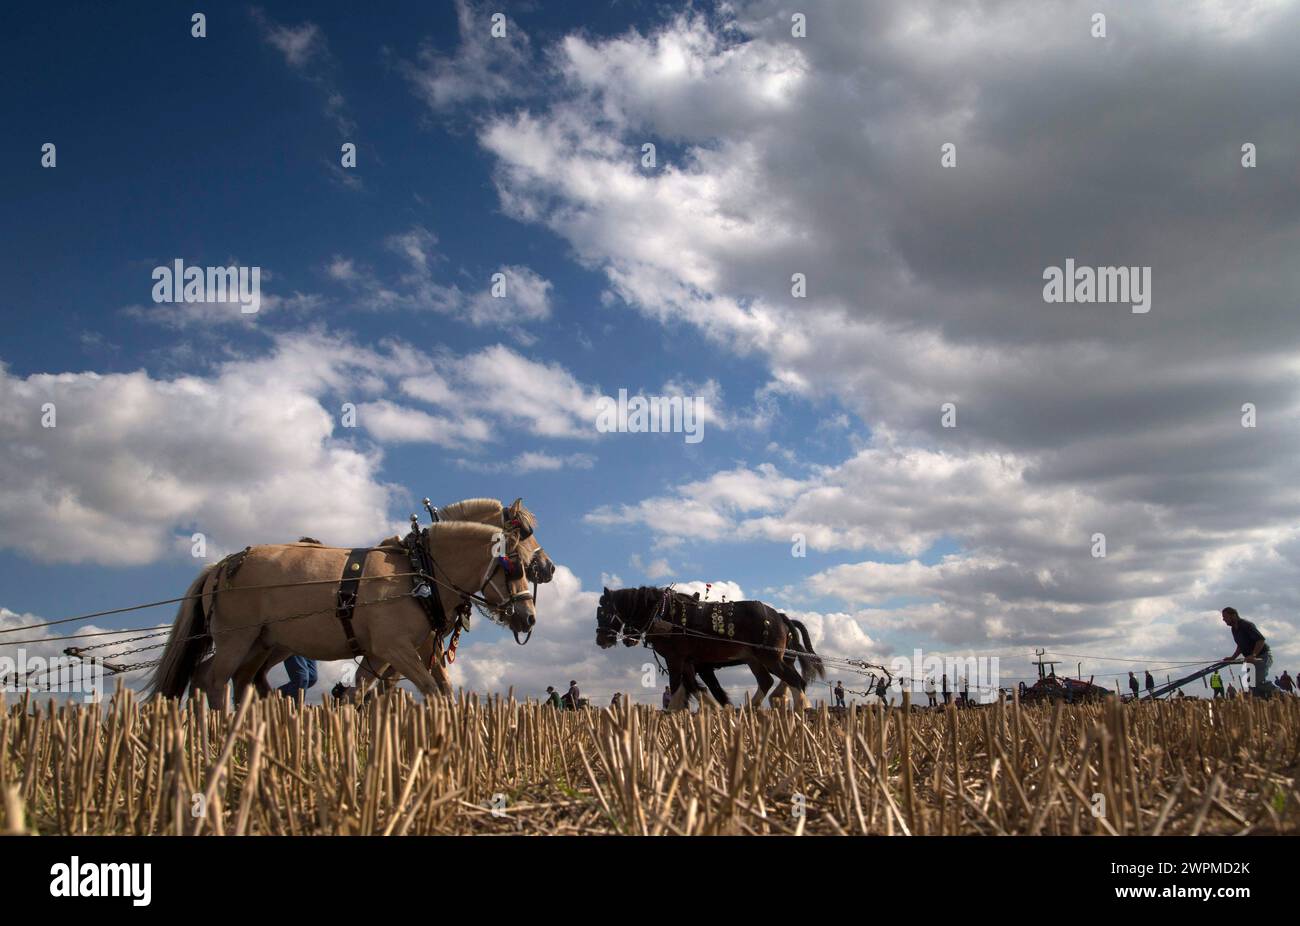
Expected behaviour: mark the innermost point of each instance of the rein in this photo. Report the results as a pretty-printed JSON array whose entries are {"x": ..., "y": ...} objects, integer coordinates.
[{"x": 494, "y": 612}]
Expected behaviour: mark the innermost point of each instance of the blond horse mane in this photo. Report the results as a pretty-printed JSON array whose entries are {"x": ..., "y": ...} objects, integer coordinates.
[
  {"x": 457, "y": 533},
  {"x": 480, "y": 509},
  {"x": 471, "y": 509}
]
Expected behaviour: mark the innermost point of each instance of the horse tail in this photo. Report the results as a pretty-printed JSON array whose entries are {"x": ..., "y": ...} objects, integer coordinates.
[
  {"x": 809, "y": 661},
  {"x": 185, "y": 645}
]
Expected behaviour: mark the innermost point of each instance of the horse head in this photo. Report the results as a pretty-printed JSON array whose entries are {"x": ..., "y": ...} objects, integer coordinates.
[
  {"x": 624, "y": 612},
  {"x": 517, "y": 603},
  {"x": 608, "y": 621},
  {"x": 503, "y": 588}
]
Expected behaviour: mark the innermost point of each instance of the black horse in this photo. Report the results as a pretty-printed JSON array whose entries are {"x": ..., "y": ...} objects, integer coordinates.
[{"x": 701, "y": 636}]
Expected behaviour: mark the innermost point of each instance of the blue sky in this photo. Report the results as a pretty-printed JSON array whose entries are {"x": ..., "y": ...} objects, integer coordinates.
[{"x": 477, "y": 154}]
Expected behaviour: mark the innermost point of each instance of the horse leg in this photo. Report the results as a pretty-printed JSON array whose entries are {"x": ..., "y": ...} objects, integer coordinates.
[
  {"x": 674, "y": 679},
  {"x": 254, "y": 670},
  {"x": 788, "y": 674},
  {"x": 764, "y": 680},
  {"x": 439, "y": 673},
  {"x": 385, "y": 677},
  {"x": 277, "y": 655},
  {"x": 706, "y": 698},
  {"x": 678, "y": 700},
  {"x": 199, "y": 679},
  {"x": 233, "y": 647},
  {"x": 692, "y": 685},
  {"x": 431, "y": 654},
  {"x": 406, "y": 660},
  {"x": 680, "y": 686},
  {"x": 711, "y": 679}
]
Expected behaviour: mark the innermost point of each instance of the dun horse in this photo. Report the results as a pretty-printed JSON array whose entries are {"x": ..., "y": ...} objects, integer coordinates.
[
  {"x": 695, "y": 635},
  {"x": 291, "y": 596},
  {"x": 516, "y": 520}
]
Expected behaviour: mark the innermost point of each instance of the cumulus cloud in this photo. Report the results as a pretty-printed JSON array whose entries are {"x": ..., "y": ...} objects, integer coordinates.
[
  {"x": 924, "y": 287},
  {"x": 248, "y": 449},
  {"x": 134, "y": 463}
]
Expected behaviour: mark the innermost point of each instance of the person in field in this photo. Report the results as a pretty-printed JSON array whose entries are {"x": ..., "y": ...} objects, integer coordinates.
[
  {"x": 302, "y": 675},
  {"x": 1133, "y": 685},
  {"x": 929, "y": 690},
  {"x": 839, "y": 694},
  {"x": 1216, "y": 684},
  {"x": 1151, "y": 685},
  {"x": 1252, "y": 647}
]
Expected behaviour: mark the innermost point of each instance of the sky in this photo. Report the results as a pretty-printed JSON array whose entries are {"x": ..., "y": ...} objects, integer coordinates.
[{"x": 813, "y": 148}]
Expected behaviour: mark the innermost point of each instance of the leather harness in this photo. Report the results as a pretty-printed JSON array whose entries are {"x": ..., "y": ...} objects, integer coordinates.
[{"x": 354, "y": 568}]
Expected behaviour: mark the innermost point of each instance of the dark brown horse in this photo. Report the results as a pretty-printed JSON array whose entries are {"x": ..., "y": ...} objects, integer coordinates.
[{"x": 693, "y": 635}]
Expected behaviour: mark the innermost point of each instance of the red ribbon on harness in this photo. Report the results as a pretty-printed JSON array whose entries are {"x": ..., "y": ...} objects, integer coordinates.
[{"x": 451, "y": 650}]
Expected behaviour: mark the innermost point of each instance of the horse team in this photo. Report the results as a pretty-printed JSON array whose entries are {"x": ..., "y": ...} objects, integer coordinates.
[{"x": 253, "y": 609}]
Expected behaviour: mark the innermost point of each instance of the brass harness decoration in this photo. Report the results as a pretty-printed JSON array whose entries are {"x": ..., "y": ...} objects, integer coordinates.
[{"x": 678, "y": 608}]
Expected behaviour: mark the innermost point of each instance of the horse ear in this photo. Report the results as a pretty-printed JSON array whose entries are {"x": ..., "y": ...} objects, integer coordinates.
[{"x": 605, "y": 589}]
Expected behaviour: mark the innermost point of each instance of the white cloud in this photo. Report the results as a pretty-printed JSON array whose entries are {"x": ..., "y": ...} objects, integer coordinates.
[
  {"x": 30, "y": 650},
  {"x": 189, "y": 315},
  {"x": 483, "y": 67},
  {"x": 531, "y": 461},
  {"x": 542, "y": 398},
  {"x": 300, "y": 44},
  {"x": 527, "y": 298},
  {"x": 420, "y": 286},
  {"x": 395, "y": 424},
  {"x": 924, "y": 287},
  {"x": 136, "y": 463}
]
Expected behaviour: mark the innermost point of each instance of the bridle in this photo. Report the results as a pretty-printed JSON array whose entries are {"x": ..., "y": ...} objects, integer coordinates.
[
  {"x": 608, "y": 620},
  {"x": 511, "y": 564},
  {"x": 514, "y": 570},
  {"x": 614, "y": 624}
]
